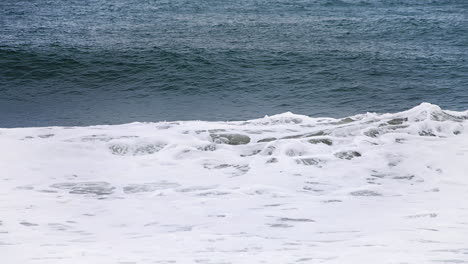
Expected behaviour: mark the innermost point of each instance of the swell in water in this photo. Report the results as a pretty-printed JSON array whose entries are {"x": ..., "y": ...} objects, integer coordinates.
[
  {"x": 112, "y": 62},
  {"x": 281, "y": 189}
]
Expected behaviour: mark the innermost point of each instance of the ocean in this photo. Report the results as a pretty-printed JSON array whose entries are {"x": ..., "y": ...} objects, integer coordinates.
[
  {"x": 313, "y": 131},
  {"x": 112, "y": 62}
]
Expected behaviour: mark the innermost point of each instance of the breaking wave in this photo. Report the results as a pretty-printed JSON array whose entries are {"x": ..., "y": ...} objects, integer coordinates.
[{"x": 280, "y": 183}]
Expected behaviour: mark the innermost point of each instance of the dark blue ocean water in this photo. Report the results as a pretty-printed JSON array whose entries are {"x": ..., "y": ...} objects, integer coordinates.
[{"x": 87, "y": 62}]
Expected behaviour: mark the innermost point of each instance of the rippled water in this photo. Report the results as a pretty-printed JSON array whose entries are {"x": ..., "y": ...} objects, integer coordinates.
[{"x": 98, "y": 62}]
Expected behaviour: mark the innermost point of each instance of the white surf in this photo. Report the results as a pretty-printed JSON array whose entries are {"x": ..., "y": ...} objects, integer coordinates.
[{"x": 371, "y": 188}]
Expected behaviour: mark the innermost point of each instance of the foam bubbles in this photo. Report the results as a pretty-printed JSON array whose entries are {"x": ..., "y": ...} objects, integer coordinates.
[{"x": 277, "y": 188}]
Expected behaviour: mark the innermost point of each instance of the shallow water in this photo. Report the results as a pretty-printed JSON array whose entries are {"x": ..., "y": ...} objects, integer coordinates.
[{"x": 99, "y": 62}]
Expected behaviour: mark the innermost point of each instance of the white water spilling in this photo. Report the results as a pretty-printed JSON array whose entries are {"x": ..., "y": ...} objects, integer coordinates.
[{"x": 371, "y": 188}]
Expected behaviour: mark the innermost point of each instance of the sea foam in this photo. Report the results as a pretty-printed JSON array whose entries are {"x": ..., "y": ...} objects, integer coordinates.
[{"x": 280, "y": 189}]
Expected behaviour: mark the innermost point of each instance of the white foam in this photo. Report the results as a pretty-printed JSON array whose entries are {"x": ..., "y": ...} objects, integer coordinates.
[{"x": 374, "y": 187}]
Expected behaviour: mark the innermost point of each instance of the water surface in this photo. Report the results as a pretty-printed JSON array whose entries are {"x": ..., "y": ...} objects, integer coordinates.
[{"x": 100, "y": 62}]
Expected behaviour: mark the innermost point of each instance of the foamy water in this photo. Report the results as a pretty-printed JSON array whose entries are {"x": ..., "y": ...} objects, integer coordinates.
[{"x": 371, "y": 188}]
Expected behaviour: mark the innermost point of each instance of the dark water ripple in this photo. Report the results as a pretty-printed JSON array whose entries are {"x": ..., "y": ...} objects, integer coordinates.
[{"x": 95, "y": 62}]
